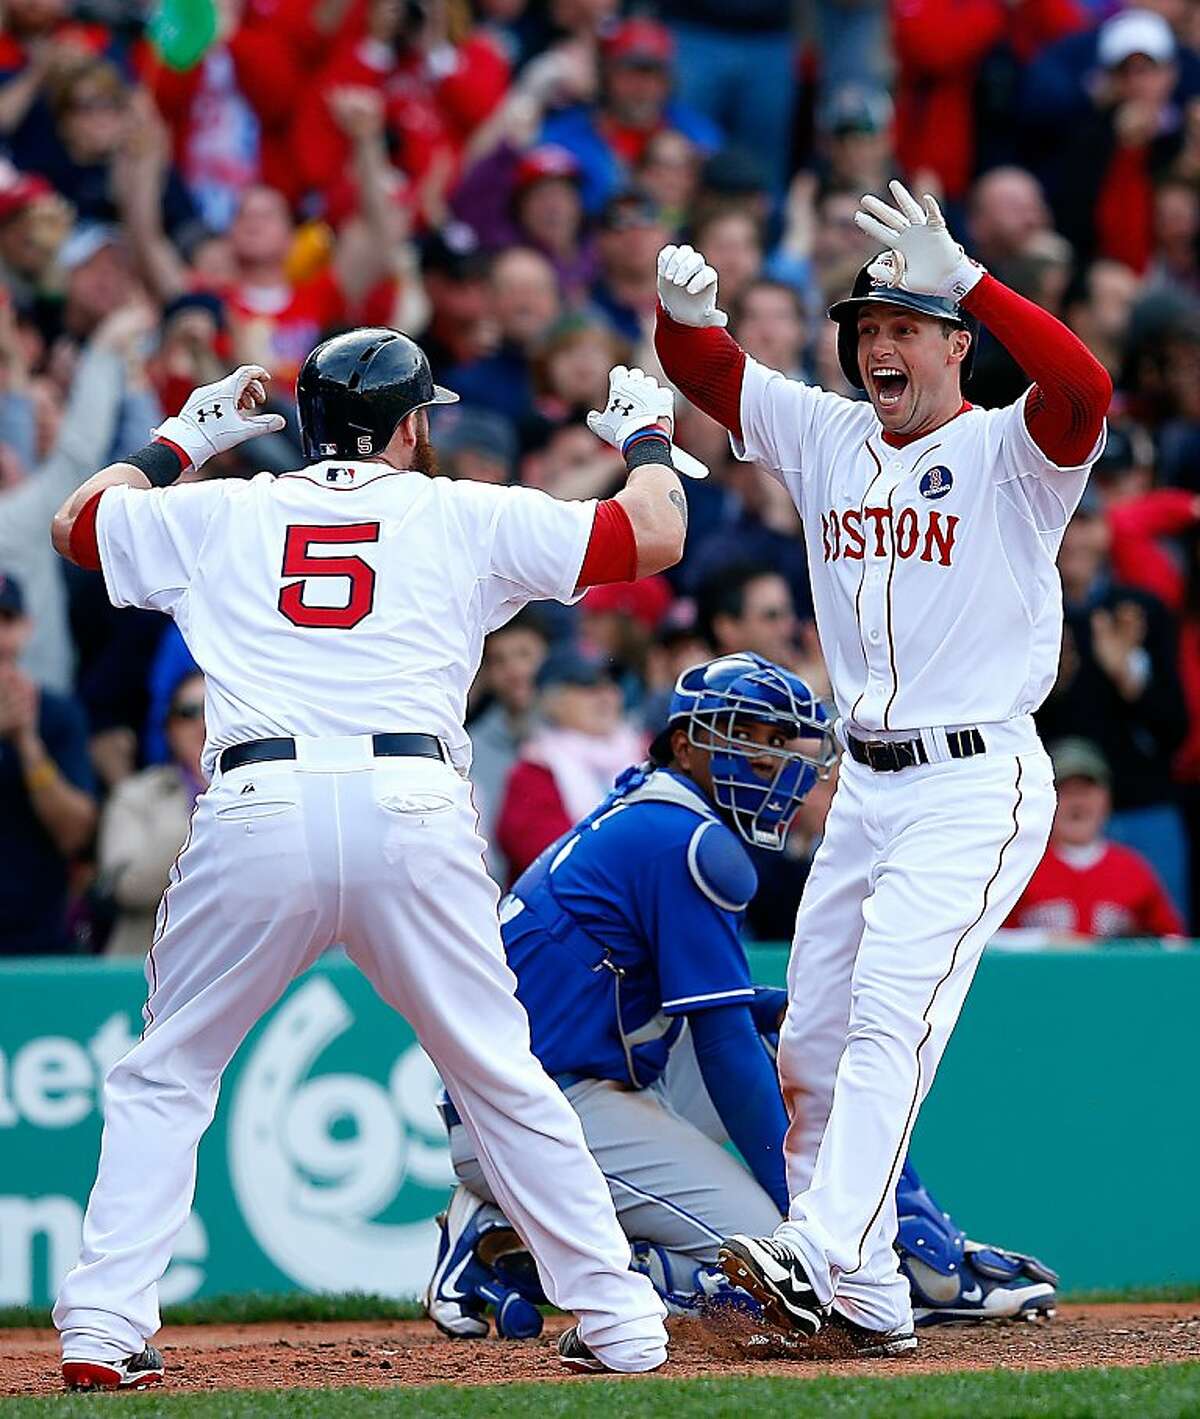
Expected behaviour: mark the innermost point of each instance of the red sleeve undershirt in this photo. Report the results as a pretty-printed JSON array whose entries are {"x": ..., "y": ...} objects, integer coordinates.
[
  {"x": 612, "y": 548},
  {"x": 85, "y": 550},
  {"x": 705, "y": 365},
  {"x": 1065, "y": 409}
]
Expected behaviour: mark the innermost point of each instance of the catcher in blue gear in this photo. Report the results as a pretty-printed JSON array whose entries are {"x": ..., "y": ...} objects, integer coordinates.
[{"x": 624, "y": 936}]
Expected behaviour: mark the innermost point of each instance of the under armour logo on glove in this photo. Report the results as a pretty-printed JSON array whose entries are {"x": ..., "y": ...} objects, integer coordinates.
[
  {"x": 219, "y": 416},
  {"x": 616, "y": 407}
]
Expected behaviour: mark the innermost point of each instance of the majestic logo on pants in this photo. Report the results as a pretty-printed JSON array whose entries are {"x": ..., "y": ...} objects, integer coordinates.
[{"x": 854, "y": 534}]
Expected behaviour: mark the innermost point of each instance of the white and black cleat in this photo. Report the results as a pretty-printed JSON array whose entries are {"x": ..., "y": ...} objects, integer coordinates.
[
  {"x": 134, "y": 1372},
  {"x": 574, "y": 1355},
  {"x": 775, "y": 1276}
]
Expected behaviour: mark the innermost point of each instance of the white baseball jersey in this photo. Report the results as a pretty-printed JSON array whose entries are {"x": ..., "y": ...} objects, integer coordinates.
[
  {"x": 346, "y": 598},
  {"x": 933, "y": 573}
]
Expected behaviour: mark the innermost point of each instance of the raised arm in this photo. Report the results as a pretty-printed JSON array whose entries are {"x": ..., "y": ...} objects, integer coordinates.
[
  {"x": 1065, "y": 409},
  {"x": 359, "y": 112},
  {"x": 640, "y": 530},
  {"x": 698, "y": 354},
  {"x": 181, "y": 444}
]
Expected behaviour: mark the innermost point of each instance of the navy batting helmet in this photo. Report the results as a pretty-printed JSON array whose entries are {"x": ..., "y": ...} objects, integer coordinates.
[
  {"x": 867, "y": 291},
  {"x": 355, "y": 388}
]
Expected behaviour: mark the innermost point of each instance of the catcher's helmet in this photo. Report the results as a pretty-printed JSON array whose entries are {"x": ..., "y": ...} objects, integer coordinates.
[
  {"x": 708, "y": 701},
  {"x": 866, "y": 291},
  {"x": 355, "y": 388}
]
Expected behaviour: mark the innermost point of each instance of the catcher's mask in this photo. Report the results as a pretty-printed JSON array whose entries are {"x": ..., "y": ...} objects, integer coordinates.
[
  {"x": 867, "y": 291},
  {"x": 355, "y": 388},
  {"x": 710, "y": 701}
]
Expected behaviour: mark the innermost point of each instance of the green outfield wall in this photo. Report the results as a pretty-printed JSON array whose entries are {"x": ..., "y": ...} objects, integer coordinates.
[{"x": 1063, "y": 1122}]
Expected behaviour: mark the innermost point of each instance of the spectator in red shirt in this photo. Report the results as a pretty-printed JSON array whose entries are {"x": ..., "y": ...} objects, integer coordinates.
[
  {"x": 1085, "y": 886},
  {"x": 940, "y": 49},
  {"x": 435, "y": 93},
  {"x": 230, "y": 114},
  {"x": 275, "y": 320},
  {"x": 570, "y": 761},
  {"x": 1103, "y": 193}
]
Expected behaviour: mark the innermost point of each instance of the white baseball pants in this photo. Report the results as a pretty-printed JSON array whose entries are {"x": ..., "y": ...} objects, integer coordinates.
[
  {"x": 284, "y": 859},
  {"x": 917, "y": 869}
]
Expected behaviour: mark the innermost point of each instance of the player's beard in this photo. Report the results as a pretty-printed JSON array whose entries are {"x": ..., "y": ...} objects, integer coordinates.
[{"x": 425, "y": 458}]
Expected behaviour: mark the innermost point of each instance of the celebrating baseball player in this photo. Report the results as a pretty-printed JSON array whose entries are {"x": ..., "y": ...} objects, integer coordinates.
[
  {"x": 624, "y": 937},
  {"x": 931, "y": 528},
  {"x": 338, "y": 613}
]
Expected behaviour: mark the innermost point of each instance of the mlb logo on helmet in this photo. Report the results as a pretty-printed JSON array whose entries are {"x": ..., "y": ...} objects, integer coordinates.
[{"x": 936, "y": 483}]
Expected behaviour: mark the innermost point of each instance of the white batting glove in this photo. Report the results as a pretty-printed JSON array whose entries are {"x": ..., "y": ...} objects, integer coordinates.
[
  {"x": 635, "y": 401},
  {"x": 687, "y": 287},
  {"x": 923, "y": 257},
  {"x": 218, "y": 417}
]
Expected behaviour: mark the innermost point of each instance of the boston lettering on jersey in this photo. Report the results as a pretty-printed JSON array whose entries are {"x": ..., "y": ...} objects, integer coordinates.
[{"x": 855, "y": 533}]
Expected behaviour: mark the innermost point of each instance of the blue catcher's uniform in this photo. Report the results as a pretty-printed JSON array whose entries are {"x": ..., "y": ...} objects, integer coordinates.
[
  {"x": 625, "y": 925},
  {"x": 624, "y": 937}
]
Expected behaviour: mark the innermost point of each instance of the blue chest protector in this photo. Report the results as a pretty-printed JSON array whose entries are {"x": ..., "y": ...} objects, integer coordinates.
[{"x": 627, "y": 923}]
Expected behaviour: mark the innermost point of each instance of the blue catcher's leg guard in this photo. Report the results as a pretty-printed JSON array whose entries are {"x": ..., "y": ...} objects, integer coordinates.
[
  {"x": 482, "y": 1262},
  {"x": 702, "y": 1291},
  {"x": 955, "y": 1279}
]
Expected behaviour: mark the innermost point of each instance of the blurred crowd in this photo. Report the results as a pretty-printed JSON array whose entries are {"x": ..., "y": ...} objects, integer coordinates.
[{"x": 496, "y": 177}]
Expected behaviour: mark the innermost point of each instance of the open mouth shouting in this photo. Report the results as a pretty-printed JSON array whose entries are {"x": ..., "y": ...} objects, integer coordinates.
[{"x": 888, "y": 383}]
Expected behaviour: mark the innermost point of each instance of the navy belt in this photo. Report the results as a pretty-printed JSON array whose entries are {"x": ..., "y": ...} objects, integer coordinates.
[
  {"x": 888, "y": 756},
  {"x": 383, "y": 746}
]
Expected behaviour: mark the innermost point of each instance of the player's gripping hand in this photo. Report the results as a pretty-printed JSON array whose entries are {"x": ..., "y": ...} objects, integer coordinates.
[
  {"x": 922, "y": 257},
  {"x": 218, "y": 417},
  {"x": 687, "y": 287},
  {"x": 635, "y": 401}
]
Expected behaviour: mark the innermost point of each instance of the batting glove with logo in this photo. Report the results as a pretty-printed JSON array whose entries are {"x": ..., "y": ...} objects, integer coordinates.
[
  {"x": 922, "y": 257},
  {"x": 687, "y": 287},
  {"x": 218, "y": 417},
  {"x": 636, "y": 400}
]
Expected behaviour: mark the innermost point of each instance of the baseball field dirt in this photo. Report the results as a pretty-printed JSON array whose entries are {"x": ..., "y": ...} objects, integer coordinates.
[{"x": 344, "y": 1358}]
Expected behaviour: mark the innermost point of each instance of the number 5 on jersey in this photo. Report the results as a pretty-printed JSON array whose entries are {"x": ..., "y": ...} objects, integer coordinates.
[{"x": 298, "y": 561}]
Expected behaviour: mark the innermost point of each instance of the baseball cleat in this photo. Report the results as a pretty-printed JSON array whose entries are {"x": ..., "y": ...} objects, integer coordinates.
[
  {"x": 871, "y": 1344},
  {"x": 134, "y": 1372},
  {"x": 478, "y": 1264},
  {"x": 574, "y": 1355},
  {"x": 775, "y": 1276}
]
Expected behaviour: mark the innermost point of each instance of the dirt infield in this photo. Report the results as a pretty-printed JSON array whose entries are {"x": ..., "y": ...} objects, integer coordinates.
[{"x": 383, "y": 1353}]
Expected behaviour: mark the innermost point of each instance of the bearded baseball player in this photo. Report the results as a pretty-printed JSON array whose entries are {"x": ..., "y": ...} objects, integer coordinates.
[
  {"x": 931, "y": 528},
  {"x": 338, "y": 613},
  {"x": 625, "y": 939}
]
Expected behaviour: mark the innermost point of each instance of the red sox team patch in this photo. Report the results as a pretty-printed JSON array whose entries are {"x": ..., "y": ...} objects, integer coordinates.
[{"x": 936, "y": 482}]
